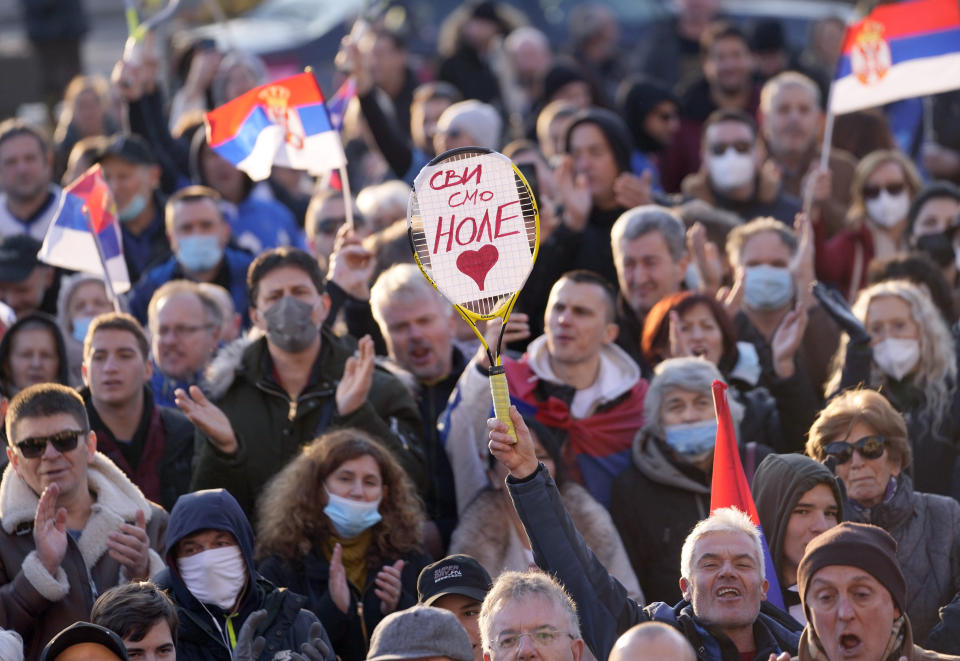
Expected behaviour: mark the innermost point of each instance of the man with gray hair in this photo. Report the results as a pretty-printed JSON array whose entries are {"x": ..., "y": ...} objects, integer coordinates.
[
  {"x": 650, "y": 255},
  {"x": 791, "y": 118},
  {"x": 528, "y": 613},
  {"x": 723, "y": 613},
  {"x": 417, "y": 325}
]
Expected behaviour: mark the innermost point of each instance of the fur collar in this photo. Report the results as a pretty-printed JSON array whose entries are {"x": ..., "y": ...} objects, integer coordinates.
[
  {"x": 223, "y": 369},
  {"x": 118, "y": 500}
]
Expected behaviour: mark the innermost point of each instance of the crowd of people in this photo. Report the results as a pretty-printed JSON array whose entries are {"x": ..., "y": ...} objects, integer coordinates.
[{"x": 279, "y": 445}]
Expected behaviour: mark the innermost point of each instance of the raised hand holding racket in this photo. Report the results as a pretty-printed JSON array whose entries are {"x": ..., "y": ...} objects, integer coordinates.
[{"x": 474, "y": 229}]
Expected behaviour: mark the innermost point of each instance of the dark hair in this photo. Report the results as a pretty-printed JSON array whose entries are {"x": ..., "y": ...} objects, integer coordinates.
[
  {"x": 720, "y": 30},
  {"x": 277, "y": 258},
  {"x": 130, "y": 610},
  {"x": 437, "y": 89},
  {"x": 935, "y": 190},
  {"x": 655, "y": 341},
  {"x": 585, "y": 277},
  {"x": 918, "y": 269},
  {"x": 43, "y": 400},
  {"x": 728, "y": 115},
  {"x": 117, "y": 321},
  {"x": 189, "y": 194},
  {"x": 13, "y": 127}
]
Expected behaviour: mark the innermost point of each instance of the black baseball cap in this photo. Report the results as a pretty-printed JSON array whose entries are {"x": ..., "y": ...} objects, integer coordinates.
[
  {"x": 130, "y": 148},
  {"x": 18, "y": 257},
  {"x": 455, "y": 574},
  {"x": 84, "y": 632}
]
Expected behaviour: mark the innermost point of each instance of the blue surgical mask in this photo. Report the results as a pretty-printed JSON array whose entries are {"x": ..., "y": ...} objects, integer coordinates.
[
  {"x": 199, "y": 252},
  {"x": 351, "y": 517},
  {"x": 692, "y": 438},
  {"x": 80, "y": 326},
  {"x": 133, "y": 209},
  {"x": 767, "y": 287}
]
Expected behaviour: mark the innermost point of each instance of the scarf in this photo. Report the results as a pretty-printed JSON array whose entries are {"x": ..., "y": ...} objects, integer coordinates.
[
  {"x": 892, "y": 652},
  {"x": 353, "y": 554}
]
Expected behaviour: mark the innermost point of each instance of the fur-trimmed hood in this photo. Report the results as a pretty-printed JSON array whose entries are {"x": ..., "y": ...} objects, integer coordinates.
[
  {"x": 653, "y": 462},
  {"x": 117, "y": 502}
]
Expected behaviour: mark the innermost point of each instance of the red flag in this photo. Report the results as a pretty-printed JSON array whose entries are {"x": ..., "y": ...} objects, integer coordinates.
[{"x": 729, "y": 486}]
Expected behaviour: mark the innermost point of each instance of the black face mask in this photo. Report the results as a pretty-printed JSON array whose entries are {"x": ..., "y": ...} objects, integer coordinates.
[{"x": 938, "y": 246}]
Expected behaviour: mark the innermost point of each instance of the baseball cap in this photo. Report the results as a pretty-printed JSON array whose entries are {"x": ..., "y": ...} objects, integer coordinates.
[
  {"x": 455, "y": 574},
  {"x": 83, "y": 632},
  {"x": 420, "y": 632},
  {"x": 130, "y": 148},
  {"x": 18, "y": 257}
]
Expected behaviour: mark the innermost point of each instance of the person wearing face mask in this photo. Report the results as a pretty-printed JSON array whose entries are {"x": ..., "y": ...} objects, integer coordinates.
[
  {"x": 272, "y": 393},
  {"x": 731, "y": 176},
  {"x": 213, "y": 582},
  {"x": 932, "y": 223},
  {"x": 133, "y": 176},
  {"x": 82, "y": 297},
  {"x": 897, "y": 342},
  {"x": 198, "y": 235},
  {"x": 884, "y": 184},
  {"x": 341, "y": 524},
  {"x": 865, "y": 442},
  {"x": 670, "y": 472}
]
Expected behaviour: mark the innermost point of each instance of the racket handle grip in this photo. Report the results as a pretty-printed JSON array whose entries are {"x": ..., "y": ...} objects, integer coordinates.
[{"x": 501, "y": 397}]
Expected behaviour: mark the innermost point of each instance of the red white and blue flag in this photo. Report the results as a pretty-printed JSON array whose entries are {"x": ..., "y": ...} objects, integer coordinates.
[
  {"x": 282, "y": 123},
  {"x": 729, "y": 487},
  {"x": 898, "y": 51},
  {"x": 85, "y": 233},
  {"x": 337, "y": 105}
]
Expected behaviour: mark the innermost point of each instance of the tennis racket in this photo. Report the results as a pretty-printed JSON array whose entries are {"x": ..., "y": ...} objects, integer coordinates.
[{"x": 474, "y": 229}]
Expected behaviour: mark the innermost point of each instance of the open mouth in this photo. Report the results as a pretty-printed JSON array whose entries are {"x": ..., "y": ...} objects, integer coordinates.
[
  {"x": 850, "y": 644},
  {"x": 420, "y": 354},
  {"x": 728, "y": 592},
  {"x": 698, "y": 352}
]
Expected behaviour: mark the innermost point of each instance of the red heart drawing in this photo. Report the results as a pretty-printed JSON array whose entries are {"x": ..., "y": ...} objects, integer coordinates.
[{"x": 477, "y": 263}]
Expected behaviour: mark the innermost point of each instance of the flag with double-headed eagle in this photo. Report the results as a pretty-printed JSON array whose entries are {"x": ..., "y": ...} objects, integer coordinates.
[
  {"x": 85, "y": 233},
  {"x": 282, "y": 123},
  {"x": 898, "y": 51}
]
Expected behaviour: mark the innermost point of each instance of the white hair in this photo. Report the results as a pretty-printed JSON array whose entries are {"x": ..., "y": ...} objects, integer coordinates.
[
  {"x": 514, "y": 586},
  {"x": 786, "y": 79},
  {"x": 11, "y": 646},
  {"x": 373, "y": 199},
  {"x": 636, "y": 222},
  {"x": 401, "y": 280},
  {"x": 725, "y": 519}
]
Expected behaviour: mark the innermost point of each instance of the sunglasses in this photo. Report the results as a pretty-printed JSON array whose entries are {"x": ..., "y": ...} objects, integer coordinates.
[
  {"x": 869, "y": 447},
  {"x": 65, "y": 441},
  {"x": 873, "y": 192},
  {"x": 741, "y": 146}
]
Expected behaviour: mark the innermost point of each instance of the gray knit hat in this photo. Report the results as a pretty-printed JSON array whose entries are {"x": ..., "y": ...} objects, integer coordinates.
[{"x": 420, "y": 632}]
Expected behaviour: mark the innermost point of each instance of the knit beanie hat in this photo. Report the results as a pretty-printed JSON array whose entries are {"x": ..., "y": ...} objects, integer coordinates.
[
  {"x": 614, "y": 130},
  {"x": 475, "y": 118},
  {"x": 860, "y": 545}
]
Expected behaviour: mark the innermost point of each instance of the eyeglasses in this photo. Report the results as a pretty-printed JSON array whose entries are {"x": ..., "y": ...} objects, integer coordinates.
[
  {"x": 539, "y": 638},
  {"x": 182, "y": 330},
  {"x": 873, "y": 192},
  {"x": 741, "y": 146},
  {"x": 869, "y": 447},
  {"x": 64, "y": 441}
]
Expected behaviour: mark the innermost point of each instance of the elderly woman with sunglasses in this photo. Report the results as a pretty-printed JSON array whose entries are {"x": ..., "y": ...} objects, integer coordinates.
[{"x": 864, "y": 439}]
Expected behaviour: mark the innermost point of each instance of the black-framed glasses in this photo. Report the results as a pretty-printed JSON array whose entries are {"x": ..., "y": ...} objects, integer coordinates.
[
  {"x": 539, "y": 637},
  {"x": 64, "y": 441},
  {"x": 869, "y": 447},
  {"x": 873, "y": 192},
  {"x": 741, "y": 147}
]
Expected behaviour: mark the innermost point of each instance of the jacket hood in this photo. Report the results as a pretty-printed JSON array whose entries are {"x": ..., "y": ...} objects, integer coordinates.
[
  {"x": 68, "y": 285},
  {"x": 63, "y": 371},
  {"x": 655, "y": 465},
  {"x": 636, "y": 100},
  {"x": 614, "y": 130},
  {"x": 211, "y": 509},
  {"x": 779, "y": 482}
]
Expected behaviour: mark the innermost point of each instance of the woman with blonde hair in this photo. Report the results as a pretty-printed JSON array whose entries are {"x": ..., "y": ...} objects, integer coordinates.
[
  {"x": 341, "y": 525},
  {"x": 897, "y": 342},
  {"x": 884, "y": 185}
]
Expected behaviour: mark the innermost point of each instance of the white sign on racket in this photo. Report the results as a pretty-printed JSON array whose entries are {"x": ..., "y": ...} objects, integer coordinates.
[{"x": 473, "y": 222}]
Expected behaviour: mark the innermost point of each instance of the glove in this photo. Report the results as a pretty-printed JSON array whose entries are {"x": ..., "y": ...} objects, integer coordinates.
[
  {"x": 316, "y": 649},
  {"x": 249, "y": 648},
  {"x": 835, "y": 305}
]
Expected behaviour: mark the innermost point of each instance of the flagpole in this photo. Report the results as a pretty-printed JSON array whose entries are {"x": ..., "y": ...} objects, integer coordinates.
[
  {"x": 107, "y": 280},
  {"x": 347, "y": 197},
  {"x": 824, "y": 150}
]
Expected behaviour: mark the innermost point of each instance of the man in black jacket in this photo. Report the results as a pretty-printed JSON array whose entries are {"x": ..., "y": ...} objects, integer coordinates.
[
  {"x": 723, "y": 583},
  {"x": 152, "y": 444}
]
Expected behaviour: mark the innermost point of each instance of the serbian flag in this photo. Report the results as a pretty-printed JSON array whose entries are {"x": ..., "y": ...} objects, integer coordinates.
[
  {"x": 85, "y": 233},
  {"x": 898, "y": 51},
  {"x": 729, "y": 485},
  {"x": 337, "y": 105},
  {"x": 283, "y": 123}
]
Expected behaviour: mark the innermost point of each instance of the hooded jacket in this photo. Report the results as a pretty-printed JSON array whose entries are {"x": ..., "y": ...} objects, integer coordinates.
[
  {"x": 74, "y": 347},
  {"x": 205, "y": 629},
  {"x": 6, "y": 346},
  {"x": 271, "y": 428},
  {"x": 38, "y": 605},
  {"x": 778, "y": 484}
]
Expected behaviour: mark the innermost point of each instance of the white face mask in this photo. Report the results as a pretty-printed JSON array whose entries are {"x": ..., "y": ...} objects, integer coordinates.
[
  {"x": 887, "y": 210},
  {"x": 896, "y": 357},
  {"x": 215, "y": 576},
  {"x": 731, "y": 169}
]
